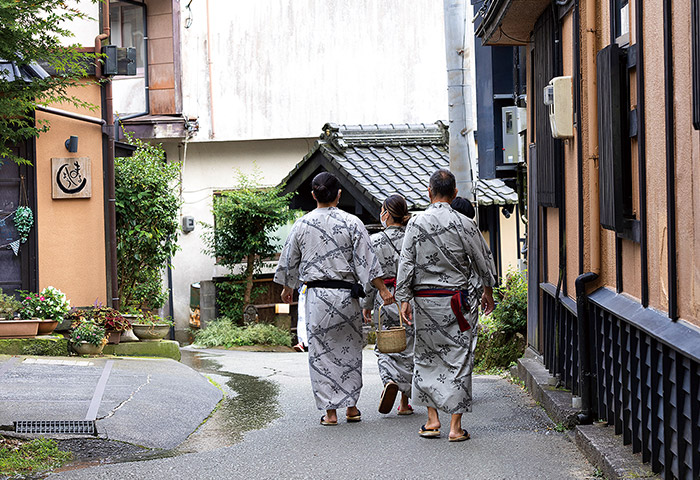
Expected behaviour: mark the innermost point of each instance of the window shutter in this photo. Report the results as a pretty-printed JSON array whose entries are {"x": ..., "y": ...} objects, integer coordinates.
[{"x": 613, "y": 135}]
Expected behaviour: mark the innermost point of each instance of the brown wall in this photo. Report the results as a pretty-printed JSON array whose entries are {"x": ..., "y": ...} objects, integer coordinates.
[
  {"x": 71, "y": 233},
  {"x": 687, "y": 169},
  {"x": 161, "y": 64}
]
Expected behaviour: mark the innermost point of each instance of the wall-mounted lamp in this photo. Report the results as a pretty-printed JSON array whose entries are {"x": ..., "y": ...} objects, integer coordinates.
[
  {"x": 508, "y": 210},
  {"x": 72, "y": 144}
]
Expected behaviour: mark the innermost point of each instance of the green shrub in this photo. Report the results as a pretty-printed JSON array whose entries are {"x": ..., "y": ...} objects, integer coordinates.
[
  {"x": 223, "y": 333},
  {"x": 510, "y": 314}
]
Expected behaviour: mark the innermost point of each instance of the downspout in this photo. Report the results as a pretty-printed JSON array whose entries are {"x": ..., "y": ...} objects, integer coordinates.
[
  {"x": 109, "y": 130},
  {"x": 209, "y": 64},
  {"x": 584, "y": 345}
]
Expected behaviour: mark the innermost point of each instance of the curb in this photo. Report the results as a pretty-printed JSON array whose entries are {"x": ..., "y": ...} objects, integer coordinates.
[{"x": 598, "y": 442}]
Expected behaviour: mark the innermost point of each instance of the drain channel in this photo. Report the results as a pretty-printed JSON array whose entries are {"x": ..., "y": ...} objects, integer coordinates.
[{"x": 72, "y": 427}]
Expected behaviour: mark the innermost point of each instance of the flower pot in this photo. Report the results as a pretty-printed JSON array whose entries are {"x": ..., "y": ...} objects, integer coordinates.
[
  {"x": 113, "y": 337},
  {"x": 19, "y": 328},
  {"x": 47, "y": 326},
  {"x": 128, "y": 336},
  {"x": 85, "y": 348},
  {"x": 151, "y": 333}
]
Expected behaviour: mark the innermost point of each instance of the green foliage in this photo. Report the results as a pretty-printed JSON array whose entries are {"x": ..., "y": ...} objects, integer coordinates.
[
  {"x": 496, "y": 348},
  {"x": 230, "y": 297},
  {"x": 9, "y": 305},
  {"x": 34, "y": 32},
  {"x": 510, "y": 314},
  {"x": 90, "y": 332},
  {"x": 223, "y": 333},
  {"x": 23, "y": 220},
  {"x": 50, "y": 303},
  {"x": 148, "y": 318},
  {"x": 21, "y": 458},
  {"x": 245, "y": 220},
  {"x": 147, "y": 206}
]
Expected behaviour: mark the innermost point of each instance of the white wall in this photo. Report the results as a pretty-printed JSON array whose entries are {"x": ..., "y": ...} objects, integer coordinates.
[
  {"x": 84, "y": 31},
  {"x": 209, "y": 167},
  {"x": 281, "y": 69}
]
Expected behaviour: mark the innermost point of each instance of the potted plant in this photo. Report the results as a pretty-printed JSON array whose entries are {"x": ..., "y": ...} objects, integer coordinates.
[
  {"x": 88, "y": 338},
  {"x": 50, "y": 305},
  {"x": 149, "y": 327},
  {"x": 113, "y": 321},
  {"x": 10, "y": 325}
]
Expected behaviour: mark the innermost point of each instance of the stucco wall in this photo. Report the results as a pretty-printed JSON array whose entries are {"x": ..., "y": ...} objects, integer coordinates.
[
  {"x": 71, "y": 233},
  {"x": 281, "y": 69},
  {"x": 209, "y": 167}
]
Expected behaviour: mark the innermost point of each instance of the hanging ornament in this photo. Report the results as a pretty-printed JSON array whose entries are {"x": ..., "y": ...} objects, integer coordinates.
[
  {"x": 15, "y": 247},
  {"x": 24, "y": 219}
]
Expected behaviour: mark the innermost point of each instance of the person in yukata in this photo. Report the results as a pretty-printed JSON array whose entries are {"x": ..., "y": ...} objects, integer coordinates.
[
  {"x": 330, "y": 252},
  {"x": 395, "y": 369},
  {"x": 440, "y": 249}
]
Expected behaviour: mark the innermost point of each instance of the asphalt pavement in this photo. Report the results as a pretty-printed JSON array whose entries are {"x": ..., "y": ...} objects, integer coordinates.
[{"x": 268, "y": 427}]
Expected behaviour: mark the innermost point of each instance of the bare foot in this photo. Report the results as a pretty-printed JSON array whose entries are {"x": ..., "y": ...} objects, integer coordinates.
[{"x": 352, "y": 412}]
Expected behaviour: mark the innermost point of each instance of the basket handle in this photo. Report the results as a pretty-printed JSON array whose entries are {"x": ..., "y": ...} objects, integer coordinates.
[{"x": 379, "y": 327}]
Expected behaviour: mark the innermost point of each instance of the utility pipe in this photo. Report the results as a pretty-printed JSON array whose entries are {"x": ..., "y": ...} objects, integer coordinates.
[
  {"x": 584, "y": 346},
  {"x": 109, "y": 177},
  {"x": 211, "y": 80}
]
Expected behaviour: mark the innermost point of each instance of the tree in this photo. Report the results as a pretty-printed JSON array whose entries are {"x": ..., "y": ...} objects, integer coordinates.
[
  {"x": 245, "y": 219},
  {"x": 147, "y": 204},
  {"x": 31, "y": 34}
]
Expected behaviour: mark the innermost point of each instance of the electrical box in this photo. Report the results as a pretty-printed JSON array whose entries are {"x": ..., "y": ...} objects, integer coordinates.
[
  {"x": 558, "y": 97},
  {"x": 118, "y": 60},
  {"x": 514, "y": 124},
  {"x": 187, "y": 224}
]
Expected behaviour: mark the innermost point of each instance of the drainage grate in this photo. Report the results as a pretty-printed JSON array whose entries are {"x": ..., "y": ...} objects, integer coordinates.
[{"x": 73, "y": 427}]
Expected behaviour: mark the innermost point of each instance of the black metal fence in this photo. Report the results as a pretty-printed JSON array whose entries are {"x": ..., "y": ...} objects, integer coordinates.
[{"x": 642, "y": 385}]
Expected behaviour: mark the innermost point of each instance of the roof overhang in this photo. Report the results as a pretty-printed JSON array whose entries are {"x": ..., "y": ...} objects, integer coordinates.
[
  {"x": 156, "y": 127},
  {"x": 509, "y": 22}
]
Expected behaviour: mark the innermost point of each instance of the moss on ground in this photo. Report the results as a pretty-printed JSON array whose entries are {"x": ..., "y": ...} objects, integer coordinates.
[{"x": 47, "y": 346}]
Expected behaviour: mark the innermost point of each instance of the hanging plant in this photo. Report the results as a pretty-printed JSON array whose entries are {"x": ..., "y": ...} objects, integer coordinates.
[{"x": 24, "y": 219}]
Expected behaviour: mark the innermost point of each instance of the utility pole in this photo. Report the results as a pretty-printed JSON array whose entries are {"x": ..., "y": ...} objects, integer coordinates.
[{"x": 460, "y": 94}]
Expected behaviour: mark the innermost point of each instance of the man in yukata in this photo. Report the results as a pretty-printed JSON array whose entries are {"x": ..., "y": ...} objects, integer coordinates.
[{"x": 440, "y": 250}]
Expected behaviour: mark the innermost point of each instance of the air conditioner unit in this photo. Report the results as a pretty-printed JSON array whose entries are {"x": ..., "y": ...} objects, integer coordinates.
[
  {"x": 514, "y": 124},
  {"x": 559, "y": 98}
]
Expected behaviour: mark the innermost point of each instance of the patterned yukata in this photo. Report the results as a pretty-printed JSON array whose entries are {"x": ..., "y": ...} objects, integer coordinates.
[
  {"x": 330, "y": 244},
  {"x": 393, "y": 367},
  {"x": 440, "y": 249}
]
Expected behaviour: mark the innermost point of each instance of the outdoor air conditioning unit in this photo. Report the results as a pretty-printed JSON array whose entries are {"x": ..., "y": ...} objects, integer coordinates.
[
  {"x": 514, "y": 124},
  {"x": 559, "y": 97}
]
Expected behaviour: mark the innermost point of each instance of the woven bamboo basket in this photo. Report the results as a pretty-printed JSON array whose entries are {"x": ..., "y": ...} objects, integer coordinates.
[{"x": 393, "y": 339}]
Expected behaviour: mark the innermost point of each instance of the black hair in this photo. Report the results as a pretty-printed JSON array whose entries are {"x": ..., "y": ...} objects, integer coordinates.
[
  {"x": 397, "y": 208},
  {"x": 442, "y": 183},
  {"x": 464, "y": 206},
  {"x": 325, "y": 187}
]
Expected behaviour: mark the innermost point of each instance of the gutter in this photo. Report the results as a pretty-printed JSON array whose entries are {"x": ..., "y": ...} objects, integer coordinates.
[{"x": 108, "y": 116}]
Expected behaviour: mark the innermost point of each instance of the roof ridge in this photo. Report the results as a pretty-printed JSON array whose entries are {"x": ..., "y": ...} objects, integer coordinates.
[{"x": 344, "y": 136}]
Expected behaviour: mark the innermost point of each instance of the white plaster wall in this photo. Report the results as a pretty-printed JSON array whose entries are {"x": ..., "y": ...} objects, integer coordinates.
[
  {"x": 86, "y": 30},
  {"x": 281, "y": 69},
  {"x": 209, "y": 167}
]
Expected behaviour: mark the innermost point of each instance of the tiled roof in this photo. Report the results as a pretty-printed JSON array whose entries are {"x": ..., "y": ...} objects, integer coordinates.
[
  {"x": 380, "y": 160},
  {"x": 10, "y": 71}
]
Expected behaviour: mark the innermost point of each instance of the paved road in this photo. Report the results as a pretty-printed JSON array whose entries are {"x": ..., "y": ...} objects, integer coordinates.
[{"x": 511, "y": 437}]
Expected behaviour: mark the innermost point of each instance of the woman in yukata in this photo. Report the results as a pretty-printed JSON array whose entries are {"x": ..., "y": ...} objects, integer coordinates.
[
  {"x": 395, "y": 369},
  {"x": 329, "y": 251}
]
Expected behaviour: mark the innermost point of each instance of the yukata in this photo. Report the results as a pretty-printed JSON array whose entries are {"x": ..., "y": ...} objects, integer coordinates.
[
  {"x": 440, "y": 250},
  {"x": 330, "y": 244},
  {"x": 393, "y": 367}
]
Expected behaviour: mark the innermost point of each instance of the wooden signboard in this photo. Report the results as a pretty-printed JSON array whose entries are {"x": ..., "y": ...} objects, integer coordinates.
[{"x": 71, "y": 178}]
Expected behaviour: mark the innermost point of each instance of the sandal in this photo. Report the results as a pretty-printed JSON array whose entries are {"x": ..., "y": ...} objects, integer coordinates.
[
  {"x": 386, "y": 403},
  {"x": 326, "y": 423},
  {"x": 354, "y": 418},
  {"x": 429, "y": 432},
  {"x": 408, "y": 411},
  {"x": 465, "y": 436}
]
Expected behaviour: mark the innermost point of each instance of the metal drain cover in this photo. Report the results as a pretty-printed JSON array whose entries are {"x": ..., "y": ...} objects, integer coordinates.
[{"x": 71, "y": 427}]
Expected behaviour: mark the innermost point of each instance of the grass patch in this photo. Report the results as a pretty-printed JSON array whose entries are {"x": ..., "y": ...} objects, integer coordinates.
[
  {"x": 223, "y": 333},
  {"x": 21, "y": 458}
]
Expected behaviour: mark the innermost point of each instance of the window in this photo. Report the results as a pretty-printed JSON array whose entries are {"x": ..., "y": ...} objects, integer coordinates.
[
  {"x": 127, "y": 29},
  {"x": 620, "y": 21}
]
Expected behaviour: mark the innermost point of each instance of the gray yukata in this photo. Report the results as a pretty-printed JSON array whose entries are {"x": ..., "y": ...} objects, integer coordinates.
[
  {"x": 440, "y": 249},
  {"x": 393, "y": 367},
  {"x": 330, "y": 244}
]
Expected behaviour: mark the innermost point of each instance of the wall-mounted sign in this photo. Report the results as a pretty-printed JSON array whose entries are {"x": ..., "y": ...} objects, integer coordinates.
[{"x": 71, "y": 178}]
